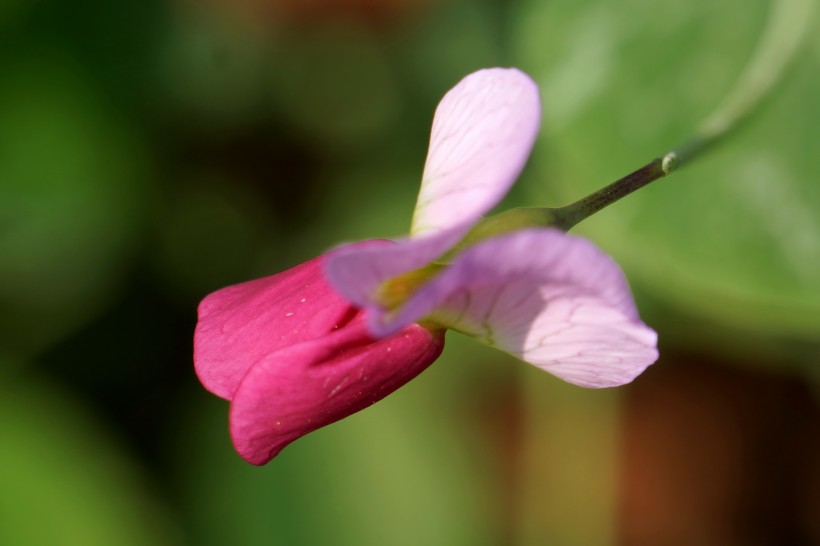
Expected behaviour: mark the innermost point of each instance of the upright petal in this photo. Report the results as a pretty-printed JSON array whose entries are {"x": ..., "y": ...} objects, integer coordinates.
[
  {"x": 483, "y": 131},
  {"x": 241, "y": 324},
  {"x": 482, "y": 135},
  {"x": 303, "y": 387},
  {"x": 551, "y": 299}
]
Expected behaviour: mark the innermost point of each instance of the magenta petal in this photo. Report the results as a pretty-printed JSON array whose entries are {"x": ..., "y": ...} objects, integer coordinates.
[
  {"x": 241, "y": 324},
  {"x": 303, "y": 387},
  {"x": 483, "y": 131},
  {"x": 551, "y": 299},
  {"x": 292, "y": 356}
]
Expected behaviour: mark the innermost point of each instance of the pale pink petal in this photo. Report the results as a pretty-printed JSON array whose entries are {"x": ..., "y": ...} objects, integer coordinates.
[
  {"x": 303, "y": 387},
  {"x": 241, "y": 324},
  {"x": 551, "y": 299},
  {"x": 483, "y": 131}
]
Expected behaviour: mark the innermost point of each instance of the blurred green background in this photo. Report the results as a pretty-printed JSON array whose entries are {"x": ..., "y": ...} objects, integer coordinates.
[{"x": 151, "y": 152}]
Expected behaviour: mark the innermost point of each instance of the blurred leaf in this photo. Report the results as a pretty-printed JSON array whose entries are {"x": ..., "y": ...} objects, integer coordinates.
[
  {"x": 69, "y": 199},
  {"x": 63, "y": 481},
  {"x": 733, "y": 238}
]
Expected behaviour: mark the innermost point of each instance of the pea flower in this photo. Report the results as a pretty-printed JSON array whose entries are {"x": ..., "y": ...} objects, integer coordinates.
[{"x": 306, "y": 347}]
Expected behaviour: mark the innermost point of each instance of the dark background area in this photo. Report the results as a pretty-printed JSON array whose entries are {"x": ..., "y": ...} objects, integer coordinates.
[{"x": 152, "y": 152}]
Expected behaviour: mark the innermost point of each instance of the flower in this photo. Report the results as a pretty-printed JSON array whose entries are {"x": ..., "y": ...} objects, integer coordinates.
[
  {"x": 292, "y": 356},
  {"x": 311, "y": 345},
  {"x": 551, "y": 299}
]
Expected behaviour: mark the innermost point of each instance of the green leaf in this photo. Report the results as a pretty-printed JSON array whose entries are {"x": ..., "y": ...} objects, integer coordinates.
[{"x": 732, "y": 239}]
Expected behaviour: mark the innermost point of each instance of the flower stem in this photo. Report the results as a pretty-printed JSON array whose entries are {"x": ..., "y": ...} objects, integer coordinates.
[
  {"x": 787, "y": 26},
  {"x": 566, "y": 217}
]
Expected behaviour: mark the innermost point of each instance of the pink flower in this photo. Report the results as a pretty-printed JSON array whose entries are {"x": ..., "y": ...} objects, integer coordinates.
[
  {"x": 304, "y": 348},
  {"x": 292, "y": 356}
]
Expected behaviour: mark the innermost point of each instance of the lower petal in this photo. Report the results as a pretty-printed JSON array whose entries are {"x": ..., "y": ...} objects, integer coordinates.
[
  {"x": 306, "y": 386},
  {"x": 240, "y": 324},
  {"x": 579, "y": 338}
]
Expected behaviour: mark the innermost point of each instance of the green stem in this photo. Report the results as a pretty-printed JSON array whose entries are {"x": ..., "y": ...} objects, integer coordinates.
[{"x": 566, "y": 217}]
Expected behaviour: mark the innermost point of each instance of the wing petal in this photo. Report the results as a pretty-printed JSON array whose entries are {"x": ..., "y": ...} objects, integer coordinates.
[
  {"x": 551, "y": 299},
  {"x": 303, "y": 387}
]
